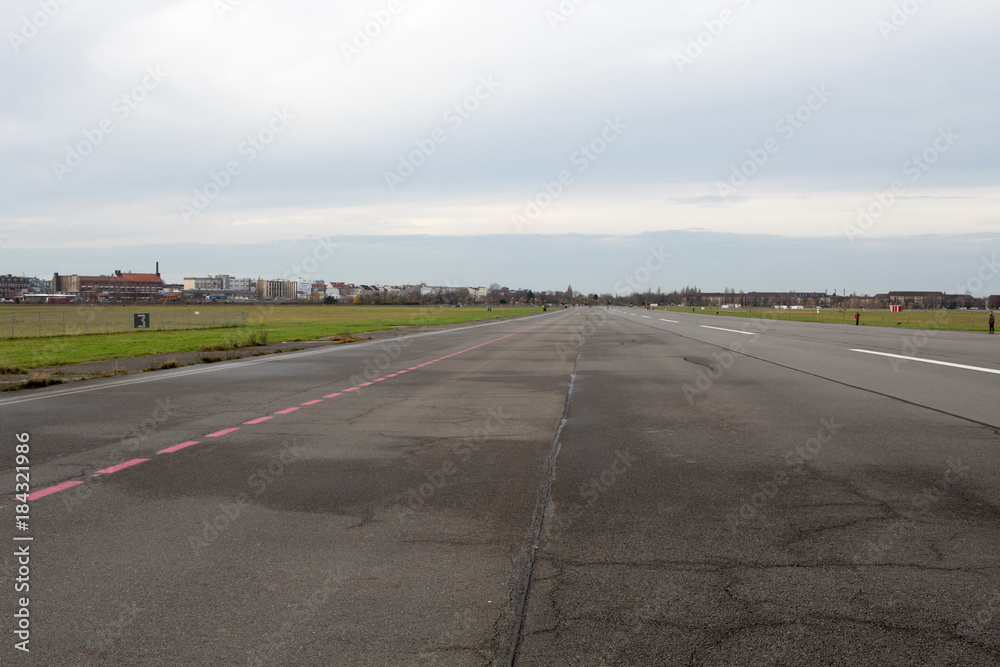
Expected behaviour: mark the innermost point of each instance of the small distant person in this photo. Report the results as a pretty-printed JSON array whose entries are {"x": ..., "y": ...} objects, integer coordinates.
[
  {"x": 991, "y": 321},
  {"x": 857, "y": 318}
]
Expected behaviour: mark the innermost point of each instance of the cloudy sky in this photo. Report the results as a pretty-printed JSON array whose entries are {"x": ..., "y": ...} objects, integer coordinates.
[{"x": 842, "y": 130}]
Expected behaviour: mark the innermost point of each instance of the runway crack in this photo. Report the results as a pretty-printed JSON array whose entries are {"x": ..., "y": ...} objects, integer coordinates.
[{"x": 524, "y": 565}]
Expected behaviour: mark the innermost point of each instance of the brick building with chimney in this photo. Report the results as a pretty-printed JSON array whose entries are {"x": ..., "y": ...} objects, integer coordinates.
[{"x": 119, "y": 286}]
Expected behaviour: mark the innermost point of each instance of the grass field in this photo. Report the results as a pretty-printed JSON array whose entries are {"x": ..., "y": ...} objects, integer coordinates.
[
  {"x": 956, "y": 320},
  {"x": 282, "y": 323}
]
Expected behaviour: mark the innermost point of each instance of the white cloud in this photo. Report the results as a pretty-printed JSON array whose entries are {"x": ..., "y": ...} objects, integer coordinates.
[{"x": 354, "y": 119}]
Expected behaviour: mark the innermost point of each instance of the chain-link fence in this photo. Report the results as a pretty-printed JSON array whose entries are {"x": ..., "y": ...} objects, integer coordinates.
[{"x": 31, "y": 323}]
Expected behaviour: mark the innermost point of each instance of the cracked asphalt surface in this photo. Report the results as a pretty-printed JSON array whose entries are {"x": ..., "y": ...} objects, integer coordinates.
[{"x": 713, "y": 498}]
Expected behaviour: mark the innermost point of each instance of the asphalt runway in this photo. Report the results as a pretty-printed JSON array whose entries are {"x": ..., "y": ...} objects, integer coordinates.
[{"x": 583, "y": 487}]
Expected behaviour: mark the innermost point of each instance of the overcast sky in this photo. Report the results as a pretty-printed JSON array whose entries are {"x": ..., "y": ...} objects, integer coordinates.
[{"x": 234, "y": 122}]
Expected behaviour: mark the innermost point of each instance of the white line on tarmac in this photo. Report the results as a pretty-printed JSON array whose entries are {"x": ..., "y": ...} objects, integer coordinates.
[
  {"x": 745, "y": 333},
  {"x": 646, "y": 317},
  {"x": 931, "y": 361},
  {"x": 671, "y": 321}
]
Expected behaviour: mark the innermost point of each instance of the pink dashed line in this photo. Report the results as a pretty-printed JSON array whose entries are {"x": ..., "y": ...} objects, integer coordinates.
[
  {"x": 219, "y": 434},
  {"x": 378, "y": 379},
  {"x": 259, "y": 420},
  {"x": 333, "y": 395},
  {"x": 318, "y": 400},
  {"x": 52, "y": 489},
  {"x": 352, "y": 389},
  {"x": 413, "y": 368},
  {"x": 286, "y": 411},
  {"x": 170, "y": 450},
  {"x": 121, "y": 466},
  {"x": 394, "y": 374},
  {"x": 366, "y": 384}
]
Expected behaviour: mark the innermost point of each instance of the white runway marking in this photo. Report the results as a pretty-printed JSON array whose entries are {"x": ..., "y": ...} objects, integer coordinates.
[
  {"x": 931, "y": 361},
  {"x": 646, "y": 317},
  {"x": 745, "y": 333},
  {"x": 671, "y": 321}
]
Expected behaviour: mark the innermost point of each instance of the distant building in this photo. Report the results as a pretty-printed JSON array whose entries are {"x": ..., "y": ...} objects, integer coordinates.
[
  {"x": 119, "y": 286},
  {"x": 916, "y": 299},
  {"x": 758, "y": 299},
  {"x": 220, "y": 282},
  {"x": 343, "y": 290},
  {"x": 961, "y": 301},
  {"x": 13, "y": 286},
  {"x": 270, "y": 290},
  {"x": 39, "y": 285},
  {"x": 303, "y": 289}
]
